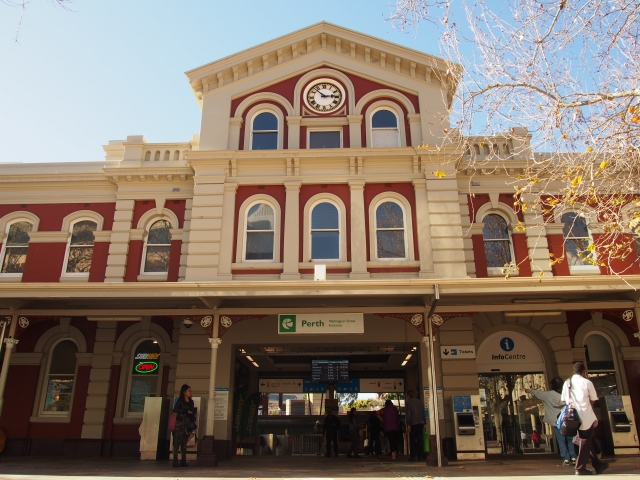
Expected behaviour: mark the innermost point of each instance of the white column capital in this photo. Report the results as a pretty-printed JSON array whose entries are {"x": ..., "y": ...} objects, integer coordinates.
[
  {"x": 419, "y": 183},
  {"x": 292, "y": 186},
  {"x": 235, "y": 121},
  {"x": 356, "y": 184},
  {"x": 294, "y": 120},
  {"x": 215, "y": 342},
  {"x": 354, "y": 118},
  {"x": 230, "y": 187},
  {"x": 11, "y": 342},
  {"x": 425, "y": 340}
]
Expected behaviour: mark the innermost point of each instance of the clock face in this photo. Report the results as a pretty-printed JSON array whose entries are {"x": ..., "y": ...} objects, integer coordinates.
[{"x": 324, "y": 96}]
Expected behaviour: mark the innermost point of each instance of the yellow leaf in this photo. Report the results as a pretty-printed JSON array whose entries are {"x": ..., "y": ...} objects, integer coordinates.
[
  {"x": 520, "y": 227},
  {"x": 603, "y": 164},
  {"x": 438, "y": 173},
  {"x": 577, "y": 180},
  {"x": 564, "y": 135},
  {"x": 636, "y": 119},
  {"x": 591, "y": 247},
  {"x": 589, "y": 149}
]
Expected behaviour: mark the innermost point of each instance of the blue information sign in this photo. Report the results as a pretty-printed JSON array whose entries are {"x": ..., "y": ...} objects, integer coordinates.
[
  {"x": 309, "y": 386},
  {"x": 351, "y": 386},
  {"x": 461, "y": 403}
]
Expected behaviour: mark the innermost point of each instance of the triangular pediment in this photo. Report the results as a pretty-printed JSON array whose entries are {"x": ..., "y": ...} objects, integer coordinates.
[{"x": 316, "y": 39}]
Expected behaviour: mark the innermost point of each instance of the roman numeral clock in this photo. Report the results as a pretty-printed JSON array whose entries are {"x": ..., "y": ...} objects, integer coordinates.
[{"x": 324, "y": 95}]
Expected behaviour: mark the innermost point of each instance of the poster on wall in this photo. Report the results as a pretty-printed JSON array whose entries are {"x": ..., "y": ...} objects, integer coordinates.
[{"x": 221, "y": 404}]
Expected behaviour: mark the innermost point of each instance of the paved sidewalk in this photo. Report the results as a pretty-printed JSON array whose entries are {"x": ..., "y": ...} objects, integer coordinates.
[{"x": 312, "y": 467}]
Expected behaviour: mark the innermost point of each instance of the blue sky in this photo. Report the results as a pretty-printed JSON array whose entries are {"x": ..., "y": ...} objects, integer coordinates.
[{"x": 109, "y": 69}]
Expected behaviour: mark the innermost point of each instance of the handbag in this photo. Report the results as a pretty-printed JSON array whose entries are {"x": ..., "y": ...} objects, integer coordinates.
[
  {"x": 172, "y": 422},
  {"x": 569, "y": 420}
]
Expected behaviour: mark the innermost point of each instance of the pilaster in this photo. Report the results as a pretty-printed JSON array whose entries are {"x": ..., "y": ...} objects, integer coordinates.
[
  {"x": 226, "y": 235},
  {"x": 119, "y": 242},
  {"x": 415, "y": 129},
  {"x": 235, "y": 123},
  {"x": 184, "y": 249},
  {"x": 291, "y": 254},
  {"x": 358, "y": 231},
  {"x": 355, "y": 131},
  {"x": 537, "y": 246},
  {"x": 423, "y": 228},
  {"x": 294, "y": 132}
]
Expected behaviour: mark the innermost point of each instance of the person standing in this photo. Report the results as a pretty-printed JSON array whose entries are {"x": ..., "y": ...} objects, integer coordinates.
[
  {"x": 415, "y": 418},
  {"x": 391, "y": 423},
  {"x": 374, "y": 427},
  {"x": 535, "y": 439},
  {"x": 552, "y": 406},
  {"x": 186, "y": 414},
  {"x": 580, "y": 392},
  {"x": 354, "y": 433},
  {"x": 523, "y": 437},
  {"x": 331, "y": 428},
  {"x": 317, "y": 430}
]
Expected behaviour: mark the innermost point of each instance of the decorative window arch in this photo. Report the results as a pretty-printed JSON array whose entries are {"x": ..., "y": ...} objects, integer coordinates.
[
  {"x": 601, "y": 363},
  {"x": 157, "y": 247},
  {"x": 577, "y": 238},
  {"x": 264, "y": 131},
  {"x": 391, "y": 228},
  {"x": 57, "y": 396},
  {"x": 325, "y": 229},
  {"x": 16, "y": 227},
  {"x": 380, "y": 131},
  {"x": 259, "y": 230},
  {"x": 262, "y": 112},
  {"x": 498, "y": 244}
]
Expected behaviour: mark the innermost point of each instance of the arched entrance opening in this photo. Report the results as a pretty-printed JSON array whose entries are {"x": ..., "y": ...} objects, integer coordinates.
[{"x": 508, "y": 364}]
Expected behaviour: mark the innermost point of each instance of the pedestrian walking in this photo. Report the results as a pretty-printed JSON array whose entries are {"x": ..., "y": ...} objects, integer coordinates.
[
  {"x": 317, "y": 430},
  {"x": 374, "y": 427},
  {"x": 580, "y": 392},
  {"x": 185, "y": 411},
  {"x": 354, "y": 433},
  {"x": 552, "y": 405},
  {"x": 331, "y": 428},
  {"x": 415, "y": 419},
  {"x": 391, "y": 423}
]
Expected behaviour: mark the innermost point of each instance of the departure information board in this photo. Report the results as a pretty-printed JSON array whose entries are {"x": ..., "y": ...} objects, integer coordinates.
[{"x": 329, "y": 370}]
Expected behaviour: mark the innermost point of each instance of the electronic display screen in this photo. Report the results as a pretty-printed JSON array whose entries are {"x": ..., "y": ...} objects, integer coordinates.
[{"x": 329, "y": 370}]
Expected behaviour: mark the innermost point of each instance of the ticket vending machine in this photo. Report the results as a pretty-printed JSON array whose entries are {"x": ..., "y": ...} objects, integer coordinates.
[
  {"x": 619, "y": 425},
  {"x": 468, "y": 427}
]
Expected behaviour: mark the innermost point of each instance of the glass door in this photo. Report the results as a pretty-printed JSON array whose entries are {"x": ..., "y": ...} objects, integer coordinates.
[{"x": 510, "y": 416}]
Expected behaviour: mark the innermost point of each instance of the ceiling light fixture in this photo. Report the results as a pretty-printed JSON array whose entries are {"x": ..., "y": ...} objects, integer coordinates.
[
  {"x": 255, "y": 365},
  {"x": 408, "y": 357},
  {"x": 403, "y": 363},
  {"x": 249, "y": 358}
]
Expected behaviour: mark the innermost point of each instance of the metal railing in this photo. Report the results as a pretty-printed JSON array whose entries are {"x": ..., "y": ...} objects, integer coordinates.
[{"x": 306, "y": 444}]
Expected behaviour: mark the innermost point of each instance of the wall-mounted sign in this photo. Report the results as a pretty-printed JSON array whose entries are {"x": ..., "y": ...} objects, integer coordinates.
[
  {"x": 287, "y": 385},
  {"x": 146, "y": 367},
  {"x": 323, "y": 324},
  {"x": 349, "y": 386},
  {"x": 508, "y": 351},
  {"x": 221, "y": 403},
  {"x": 309, "y": 386},
  {"x": 381, "y": 385},
  {"x": 455, "y": 352}
]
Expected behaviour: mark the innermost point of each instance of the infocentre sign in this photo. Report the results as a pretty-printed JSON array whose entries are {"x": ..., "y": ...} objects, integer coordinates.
[
  {"x": 509, "y": 351},
  {"x": 320, "y": 323}
]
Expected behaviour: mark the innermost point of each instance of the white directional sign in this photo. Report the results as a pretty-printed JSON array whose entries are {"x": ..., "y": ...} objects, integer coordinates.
[
  {"x": 454, "y": 352},
  {"x": 279, "y": 385},
  {"x": 381, "y": 385}
]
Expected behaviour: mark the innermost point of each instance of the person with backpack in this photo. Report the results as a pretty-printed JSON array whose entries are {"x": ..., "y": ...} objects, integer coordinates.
[
  {"x": 579, "y": 392},
  {"x": 552, "y": 406}
]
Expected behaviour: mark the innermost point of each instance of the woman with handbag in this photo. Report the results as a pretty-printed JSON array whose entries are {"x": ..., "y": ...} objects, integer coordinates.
[
  {"x": 579, "y": 394},
  {"x": 391, "y": 423},
  {"x": 185, "y": 411}
]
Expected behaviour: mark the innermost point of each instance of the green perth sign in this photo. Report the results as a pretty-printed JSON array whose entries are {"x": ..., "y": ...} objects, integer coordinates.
[{"x": 324, "y": 323}]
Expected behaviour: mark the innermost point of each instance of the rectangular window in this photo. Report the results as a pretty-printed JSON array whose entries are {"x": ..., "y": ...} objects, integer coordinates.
[
  {"x": 325, "y": 245},
  {"x": 265, "y": 141},
  {"x": 325, "y": 139}
]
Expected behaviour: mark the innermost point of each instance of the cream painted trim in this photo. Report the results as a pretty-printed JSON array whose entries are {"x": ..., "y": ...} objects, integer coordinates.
[
  {"x": 13, "y": 217},
  {"x": 554, "y": 229},
  {"x": 394, "y": 108},
  {"x": 394, "y": 262},
  {"x": 385, "y": 93},
  {"x": 152, "y": 215},
  {"x": 501, "y": 209},
  {"x": 127, "y": 420},
  {"x": 407, "y": 220},
  {"x": 260, "y": 97},
  {"x": 74, "y": 277},
  {"x": 49, "y": 237},
  {"x": 153, "y": 277},
  {"x": 176, "y": 233},
  {"x": 10, "y": 277},
  {"x": 584, "y": 270},
  {"x": 80, "y": 215},
  {"x": 591, "y": 216},
  {"x": 137, "y": 234},
  {"x": 253, "y": 113},
  {"x": 102, "y": 236},
  {"x": 27, "y": 358},
  {"x": 257, "y": 266},
  {"x": 497, "y": 272},
  {"x": 330, "y": 264},
  {"x": 52, "y": 419},
  {"x": 342, "y": 219},
  {"x": 242, "y": 226},
  {"x": 324, "y": 121},
  {"x": 323, "y": 73}
]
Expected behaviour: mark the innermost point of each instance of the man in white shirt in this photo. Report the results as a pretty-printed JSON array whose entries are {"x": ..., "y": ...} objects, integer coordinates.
[{"x": 580, "y": 392}]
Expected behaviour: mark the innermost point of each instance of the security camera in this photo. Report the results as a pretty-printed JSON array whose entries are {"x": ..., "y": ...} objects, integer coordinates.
[{"x": 187, "y": 323}]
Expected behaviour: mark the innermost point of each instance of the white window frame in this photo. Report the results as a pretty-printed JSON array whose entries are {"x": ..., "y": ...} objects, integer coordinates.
[
  {"x": 152, "y": 222},
  {"x": 397, "y": 129},
  {"x": 45, "y": 383},
  {"x": 324, "y": 129},
  {"x": 3, "y": 250},
  {"x": 612, "y": 349},
  {"x": 129, "y": 377},
  {"x": 579, "y": 269},
  {"x": 78, "y": 275},
  {"x": 276, "y": 131},
  {"x": 408, "y": 226},
  {"x": 400, "y": 116},
  {"x": 252, "y": 114},
  {"x": 246, "y": 232},
  {"x": 497, "y": 271},
  {"x": 376, "y": 229},
  {"x": 242, "y": 228},
  {"x": 342, "y": 223}
]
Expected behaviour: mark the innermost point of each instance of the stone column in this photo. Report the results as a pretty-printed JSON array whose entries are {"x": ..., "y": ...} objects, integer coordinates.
[
  {"x": 119, "y": 243},
  {"x": 215, "y": 343},
  {"x": 10, "y": 342},
  {"x": 415, "y": 129},
  {"x": 227, "y": 231},
  {"x": 358, "y": 232},
  {"x": 184, "y": 250},
  {"x": 537, "y": 246},
  {"x": 423, "y": 228},
  {"x": 291, "y": 253},
  {"x": 99, "y": 381},
  {"x": 355, "y": 131},
  {"x": 294, "y": 132},
  {"x": 235, "y": 123}
]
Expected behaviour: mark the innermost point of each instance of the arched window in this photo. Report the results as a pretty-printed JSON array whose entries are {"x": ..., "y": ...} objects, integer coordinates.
[
  {"x": 497, "y": 241},
  {"x": 601, "y": 366},
  {"x": 325, "y": 232},
  {"x": 260, "y": 232},
  {"x": 145, "y": 372},
  {"x": 157, "y": 248},
  {"x": 264, "y": 132},
  {"x": 390, "y": 231},
  {"x": 15, "y": 247},
  {"x": 576, "y": 239},
  {"x": 384, "y": 129},
  {"x": 80, "y": 248},
  {"x": 61, "y": 375}
]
